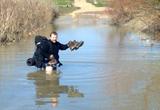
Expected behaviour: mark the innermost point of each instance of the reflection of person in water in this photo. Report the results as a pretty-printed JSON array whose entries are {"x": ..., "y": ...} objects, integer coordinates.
[{"x": 48, "y": 88}]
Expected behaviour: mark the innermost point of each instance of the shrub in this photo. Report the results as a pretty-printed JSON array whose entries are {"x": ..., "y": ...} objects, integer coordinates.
[
  {"x": 18, "y": 18},
  {"x": 124, "y": 10}
]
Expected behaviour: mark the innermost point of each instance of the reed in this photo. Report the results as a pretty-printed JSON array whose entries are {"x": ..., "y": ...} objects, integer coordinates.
[{"x": 18, "y": 18}]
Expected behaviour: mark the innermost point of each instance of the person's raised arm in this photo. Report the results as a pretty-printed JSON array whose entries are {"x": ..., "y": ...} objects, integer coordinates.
[{"x": 63, "y": 46}]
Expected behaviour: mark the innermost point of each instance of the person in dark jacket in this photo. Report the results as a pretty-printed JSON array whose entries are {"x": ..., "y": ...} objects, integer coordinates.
[
  {"x": 56, "y": 46},
  {"x": 47, "y": 51}
]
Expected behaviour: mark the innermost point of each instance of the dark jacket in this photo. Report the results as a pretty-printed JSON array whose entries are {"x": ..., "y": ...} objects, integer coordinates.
[{"x": 55, "y": 47}]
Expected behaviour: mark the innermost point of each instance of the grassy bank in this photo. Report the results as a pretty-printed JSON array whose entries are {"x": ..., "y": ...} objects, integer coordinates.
[
  {"x": 65, "y": 6},
  {"x": 20, "y": 18},
  {"x": 64, "y": 3},
  {"x": 140, "y": 15}
]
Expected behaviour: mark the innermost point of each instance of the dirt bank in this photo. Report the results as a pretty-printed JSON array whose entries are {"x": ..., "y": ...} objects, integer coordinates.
[
  {"x": 140, "y": 16},
  {"x": 85, "y": 7},
  {"x": 146, "y": 23}
]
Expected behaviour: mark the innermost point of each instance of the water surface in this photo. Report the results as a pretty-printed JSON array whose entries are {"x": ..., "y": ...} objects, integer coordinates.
[{"x": 114, "y": 70}]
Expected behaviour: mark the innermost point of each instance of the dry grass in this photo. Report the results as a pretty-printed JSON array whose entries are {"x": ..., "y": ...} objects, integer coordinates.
[
  {"x": 124, "y": 10},
  {"x": 18, "y": 18}
]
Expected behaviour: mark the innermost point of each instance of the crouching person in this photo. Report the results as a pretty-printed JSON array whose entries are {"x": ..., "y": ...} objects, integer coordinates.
[{"x": 47, "y": 51}]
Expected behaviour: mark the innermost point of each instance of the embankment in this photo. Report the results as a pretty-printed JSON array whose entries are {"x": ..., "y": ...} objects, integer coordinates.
[{"x": 138, "y": 15}]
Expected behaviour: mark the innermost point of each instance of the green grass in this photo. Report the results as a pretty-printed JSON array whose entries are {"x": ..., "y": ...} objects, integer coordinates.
[
  {"x": 65, "y": 10},
  {"x": 65, "y": 6},
  {"x": 64, "y": 3}
]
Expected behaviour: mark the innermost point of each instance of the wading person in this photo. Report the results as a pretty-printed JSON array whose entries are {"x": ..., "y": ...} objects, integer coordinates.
[
  {"x": 56, "y": 46},
  {"x": 47, "y": 51}
]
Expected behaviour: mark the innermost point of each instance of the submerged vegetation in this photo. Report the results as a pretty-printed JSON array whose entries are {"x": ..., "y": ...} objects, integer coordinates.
[
  {"x": 141, "y": 15},
  {"x": 20, "y": 18}
]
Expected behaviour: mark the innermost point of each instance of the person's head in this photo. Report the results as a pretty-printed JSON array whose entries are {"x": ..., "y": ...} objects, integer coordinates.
[{"x": 53, "y": 36}]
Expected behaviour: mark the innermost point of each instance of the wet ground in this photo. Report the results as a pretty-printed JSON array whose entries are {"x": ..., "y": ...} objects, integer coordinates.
[{"x": 114, "y": 70}]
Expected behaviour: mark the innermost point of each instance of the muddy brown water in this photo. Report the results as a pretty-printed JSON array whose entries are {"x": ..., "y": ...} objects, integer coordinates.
[{"x": 114, "y": 70}]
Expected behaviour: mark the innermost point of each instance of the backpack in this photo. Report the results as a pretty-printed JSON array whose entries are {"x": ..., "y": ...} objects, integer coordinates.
[
  {"x": 42, "y": 43},
  {"x": 41, "y": 52}
]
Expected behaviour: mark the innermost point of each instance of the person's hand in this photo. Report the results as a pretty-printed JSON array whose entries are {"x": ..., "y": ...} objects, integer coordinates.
[
  {"x": 51, "y": 56},
  {"x": 71, "y": 45},
  {"x": 60, "y": 64},
  {"x": 52, "y": 60}
]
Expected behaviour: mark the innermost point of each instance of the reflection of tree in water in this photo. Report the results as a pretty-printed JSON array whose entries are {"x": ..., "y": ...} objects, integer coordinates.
[{"x": 48, "y": 88}]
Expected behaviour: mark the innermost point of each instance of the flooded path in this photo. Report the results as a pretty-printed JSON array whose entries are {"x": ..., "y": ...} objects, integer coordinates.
[{"x": 114, "y": 70}]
